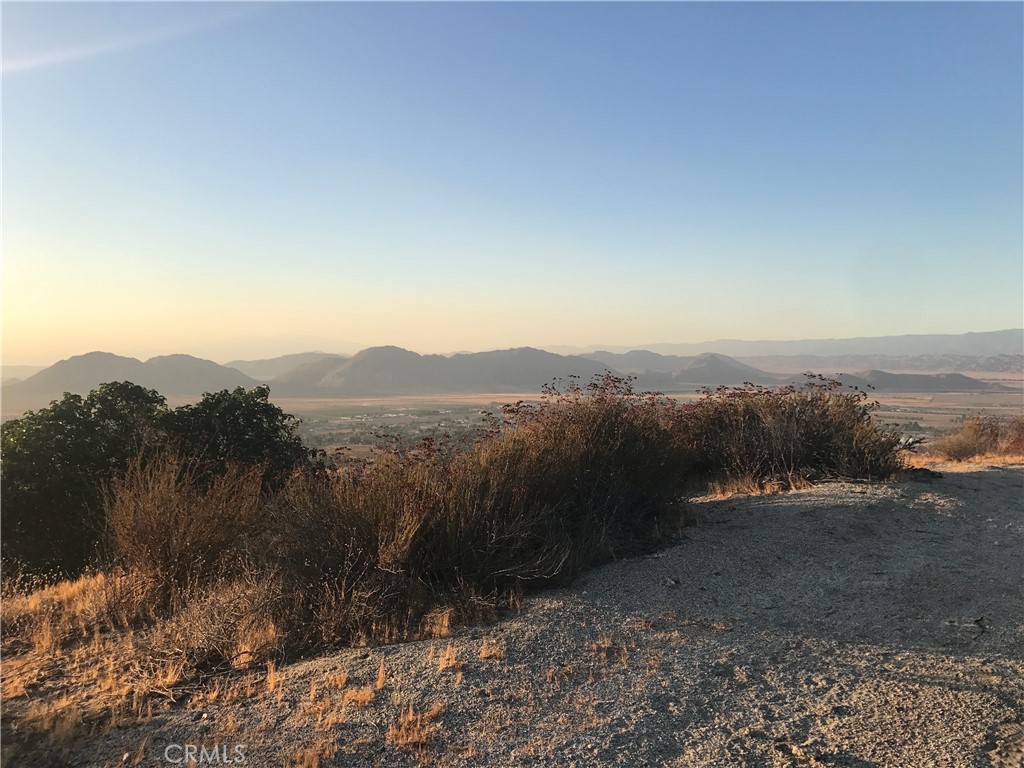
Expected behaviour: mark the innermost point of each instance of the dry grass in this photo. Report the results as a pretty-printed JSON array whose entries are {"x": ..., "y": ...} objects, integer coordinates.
[
  {"x": 934, "y": 461},
  {"x": 749, "y": 485},
  {"x": 491, "y": 649},
  {"x": 606, "y": 649},
  {"x": 338, "y": 681},
  {"x": 413, "y": 729},
  {"x": 359, "y": 697},
  {"x": 324, "y": 750},
  {"x": 274, "y": 680},
  {"x": 448, "y": 660}
]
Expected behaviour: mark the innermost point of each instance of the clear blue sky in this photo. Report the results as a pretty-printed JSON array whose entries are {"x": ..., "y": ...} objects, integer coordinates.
[{"x": 247, "y": 180}]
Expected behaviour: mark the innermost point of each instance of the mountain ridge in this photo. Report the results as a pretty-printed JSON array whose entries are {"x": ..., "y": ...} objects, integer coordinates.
[
  {"x": 394, "y": 371},
  {"x": 977, "y": 343}
]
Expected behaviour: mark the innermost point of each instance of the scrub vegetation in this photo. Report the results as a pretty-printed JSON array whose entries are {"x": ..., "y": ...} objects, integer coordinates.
[{"x": 218, "y": 543}]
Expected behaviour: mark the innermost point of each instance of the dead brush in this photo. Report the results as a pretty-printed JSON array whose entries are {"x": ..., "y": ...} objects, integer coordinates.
[
  {"x": 788, "y": 434},
  {"x": 449, "y": 660},
  {"x": 980, "y": 435},
  {"x": 314, "y": 756},
  {"x": 414, "y": 729},
  {"x": 491, "y": 649},
  {"x": 166, "y": 519},
  {"x": 358, "y": 697},
  {"x": 607, "y": 649}
]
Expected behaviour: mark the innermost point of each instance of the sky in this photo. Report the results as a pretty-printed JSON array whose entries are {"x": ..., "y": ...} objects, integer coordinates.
[{"x": 249, "y": 180}]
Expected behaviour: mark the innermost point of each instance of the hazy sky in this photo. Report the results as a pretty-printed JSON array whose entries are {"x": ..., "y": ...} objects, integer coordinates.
[{"x": 235, "y": 180}]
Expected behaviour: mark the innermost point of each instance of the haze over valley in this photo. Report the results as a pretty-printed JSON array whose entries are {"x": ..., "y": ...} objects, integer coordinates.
[{"x": 382, "y": 371}]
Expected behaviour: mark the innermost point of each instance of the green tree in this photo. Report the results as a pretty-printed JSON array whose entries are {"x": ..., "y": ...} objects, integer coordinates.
[
  {"x": 239, "y": 426},
  {"x": 55, "y": 462}
]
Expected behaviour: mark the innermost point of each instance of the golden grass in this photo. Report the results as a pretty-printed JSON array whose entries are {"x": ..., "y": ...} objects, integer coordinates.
[
  {"x": 490, "y": 649},
  {"x": 448, "y": 660},
  {"x": 749, "y": 486},
  {"x": 359, "y": 697},
  {"x": 273, "y": 679},
  {"x": 415, "y": 729},
  {"x": 338, "y": 681},
  {"x": 934, "y": 461},
  {"x": 438, "y": 623},
  {"x": 314, "y": 755}
]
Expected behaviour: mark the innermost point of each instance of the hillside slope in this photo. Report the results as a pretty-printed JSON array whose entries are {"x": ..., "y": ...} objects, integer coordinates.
[
  {"x": 171, "y": 375},
  {"x": 863, "y": 625}
]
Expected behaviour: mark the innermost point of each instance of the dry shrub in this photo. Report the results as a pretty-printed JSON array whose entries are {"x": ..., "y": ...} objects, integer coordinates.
[
  {"x": 1013, "y": 437},
  {"x": 230, "y": 623},
  {"x": 166, "y": 519},
  {"x": 976, "y": 435},
  {"x": 761, "y": 435},
  {"x": 380, "y": 550},
  {"x": 413, "y": 540},
  {"x": 212, "y": 575}
]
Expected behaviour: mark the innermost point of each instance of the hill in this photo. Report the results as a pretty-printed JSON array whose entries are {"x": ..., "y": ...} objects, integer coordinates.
[
  {"x": 270, "y": 368},
  {"x": 987, "y": 343},
  {"x": 923, "y": 363},
  {"x": 173, "y": 375},
  {"x": 392, "y": 371},
  {"x": 640, "y": 361},
  {"x": 713, "y": 370},
  {"x": 741, "y": 638},
  {"x": 397, "y": 371},
  {"x": 883, "y": 381}
]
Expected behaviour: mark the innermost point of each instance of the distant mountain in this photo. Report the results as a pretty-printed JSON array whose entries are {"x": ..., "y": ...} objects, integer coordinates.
[
  {"x": 187, "y": 375},
  {"x": 273, "y": 367},
  {"x": 640, "y": 361},
  {"x": 882, "y": 381},
  {"x": 944, "y": 363},
  {"x": 384, "y": 371},
  {"x": 713, "y": 370},
  {"x": 395, "y": 371},
  {"x": 670, "y": 373},
  {"x": 176, "y": 375},
  {"x": 988, "y": 343}
]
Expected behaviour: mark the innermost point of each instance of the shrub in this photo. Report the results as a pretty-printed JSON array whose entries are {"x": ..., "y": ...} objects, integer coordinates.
[
  {"x": 788, "y": 434},
  {"x": 166, "y": 522},
  {"x": 238, "y": 427},
  {"x": 977, "y": 435},
  {"x": 1013, "y": 437},
  {"x": 236, "y": 569},
  {"x": 58, "y": 461},
  {"x": 371, "y": 550}
]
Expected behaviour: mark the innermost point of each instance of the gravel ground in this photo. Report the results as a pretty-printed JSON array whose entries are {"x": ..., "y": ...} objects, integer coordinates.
[{"x": 846, "y": 625}]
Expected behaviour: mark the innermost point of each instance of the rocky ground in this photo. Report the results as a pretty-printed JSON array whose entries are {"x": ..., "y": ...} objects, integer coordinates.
[{"x": 847, "y": 625}]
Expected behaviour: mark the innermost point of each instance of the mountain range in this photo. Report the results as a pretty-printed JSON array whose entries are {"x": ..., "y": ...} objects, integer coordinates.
[
  {"x": 383, "y": 371},
  {"x": 985, "y": 343},
  {"x": 271, "y": 368},
  {"x": 397, "y": 371}
]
